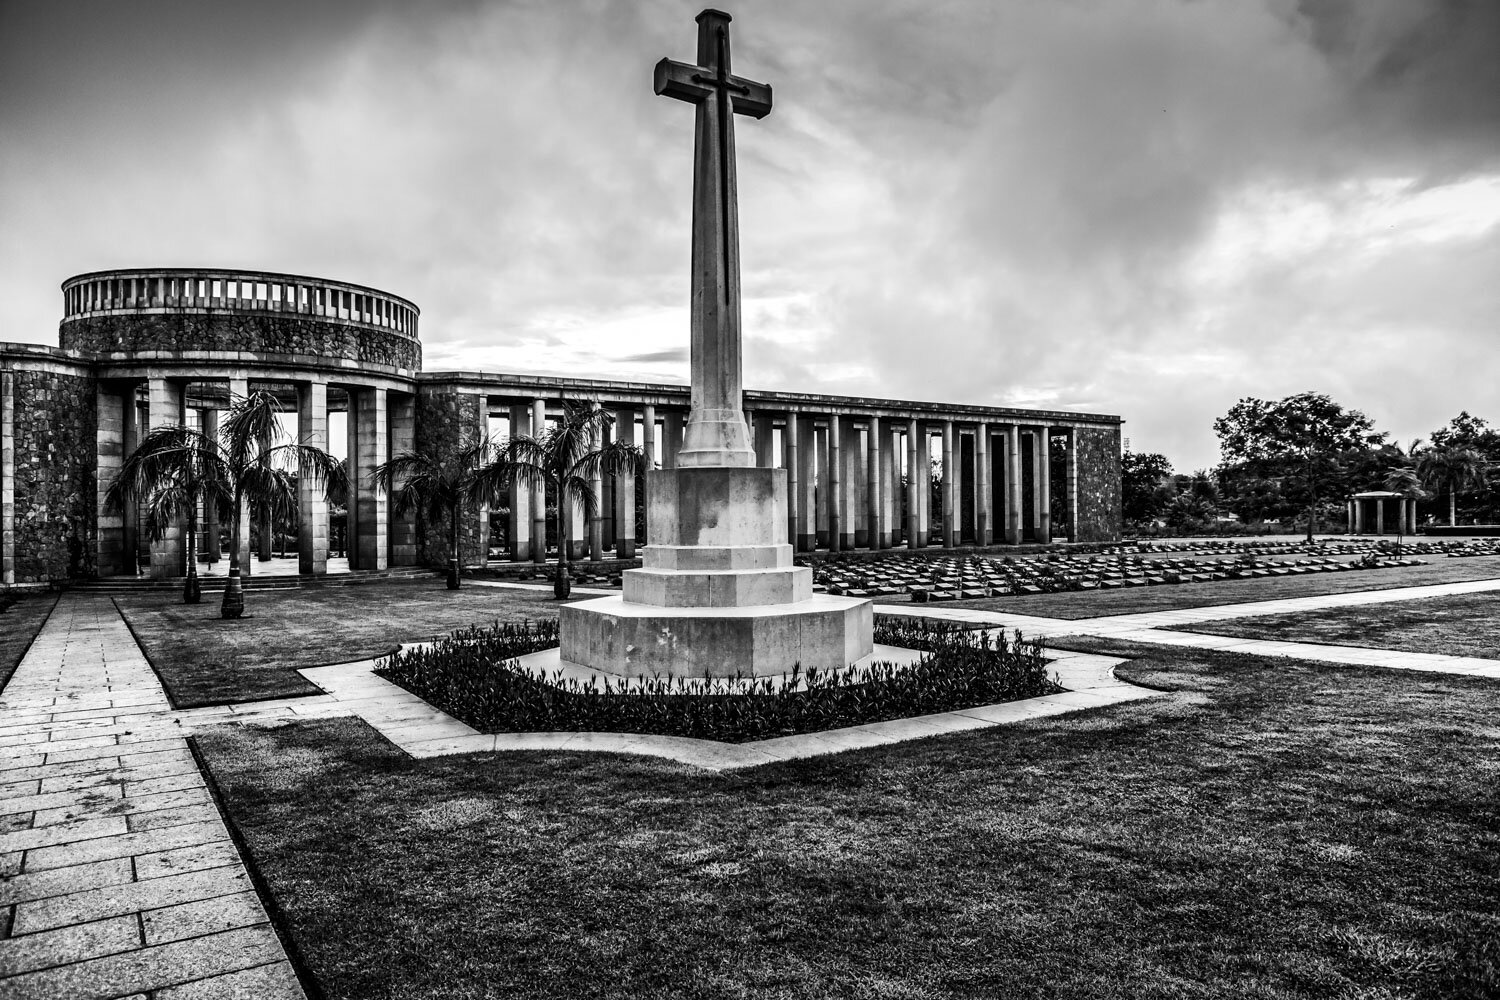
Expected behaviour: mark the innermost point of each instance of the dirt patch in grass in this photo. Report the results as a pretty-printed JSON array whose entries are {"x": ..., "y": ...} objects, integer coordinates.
[
  {"x": 1462, "y": 625},
  {"x": 204, "y": 660},
  {"x": 1168, "y": 597},
  {"x": 22, "y": 616},
  {"x": 1271, "y": 829}
]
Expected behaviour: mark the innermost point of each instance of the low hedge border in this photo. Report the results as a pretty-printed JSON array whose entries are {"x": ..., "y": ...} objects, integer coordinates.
[{"x": 472, "y": 675}]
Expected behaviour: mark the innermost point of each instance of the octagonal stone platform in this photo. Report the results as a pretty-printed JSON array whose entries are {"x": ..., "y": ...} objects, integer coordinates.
[{"x": 626, "y": 639}]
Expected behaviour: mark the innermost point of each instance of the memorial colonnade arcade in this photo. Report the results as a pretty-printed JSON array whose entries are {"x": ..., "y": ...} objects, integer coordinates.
[
  {"x": 144, "y": 348},
  {"x": 180, "y": 346},
  {"x": 849, "y": 463}
]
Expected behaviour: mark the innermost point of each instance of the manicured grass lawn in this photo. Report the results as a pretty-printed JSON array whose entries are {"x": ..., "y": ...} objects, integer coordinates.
[
  {"x": 205, "y": 660},
  {"x": 21, "y": 618},
  {"x": 1272, "y": 829},
  {"x": 1464, "y": 625},
  {"x": 1096, "y": 603}
]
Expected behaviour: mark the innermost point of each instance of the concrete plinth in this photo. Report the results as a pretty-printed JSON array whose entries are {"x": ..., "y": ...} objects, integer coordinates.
[{"x": 615, "y": 636}]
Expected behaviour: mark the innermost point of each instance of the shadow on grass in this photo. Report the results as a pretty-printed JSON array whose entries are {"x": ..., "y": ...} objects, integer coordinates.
[{"x": 1272, "y": 829}]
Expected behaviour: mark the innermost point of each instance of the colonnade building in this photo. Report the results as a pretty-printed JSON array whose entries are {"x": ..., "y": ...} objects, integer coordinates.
[{"x": 145, "y": 348}]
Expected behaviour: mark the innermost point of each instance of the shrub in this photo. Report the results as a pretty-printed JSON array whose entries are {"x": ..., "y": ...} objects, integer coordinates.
[{"x": 472, "y": 675}]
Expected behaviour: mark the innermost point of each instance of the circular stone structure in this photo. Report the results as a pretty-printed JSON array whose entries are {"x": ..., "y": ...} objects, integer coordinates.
[
  {"x": 178, "y": 347},
  {"x": 197, "y": 313}
]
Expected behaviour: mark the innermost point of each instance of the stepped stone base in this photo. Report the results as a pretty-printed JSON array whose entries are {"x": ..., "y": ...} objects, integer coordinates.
[{"x": 618, "y": 637}]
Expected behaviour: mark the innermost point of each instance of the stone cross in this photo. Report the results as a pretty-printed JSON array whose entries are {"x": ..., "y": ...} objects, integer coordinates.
[{"x": 716, "y": 434}]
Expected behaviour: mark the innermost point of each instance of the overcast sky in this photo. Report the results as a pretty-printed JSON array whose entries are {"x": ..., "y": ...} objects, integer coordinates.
[{"x": 1143, "y": 207}]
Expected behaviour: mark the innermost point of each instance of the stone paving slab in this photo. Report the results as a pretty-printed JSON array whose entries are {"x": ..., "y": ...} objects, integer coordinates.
[{"x": 118, "y": 872}]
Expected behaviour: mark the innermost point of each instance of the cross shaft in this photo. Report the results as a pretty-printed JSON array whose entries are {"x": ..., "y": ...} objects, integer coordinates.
[{"x": 716, "y": 434}]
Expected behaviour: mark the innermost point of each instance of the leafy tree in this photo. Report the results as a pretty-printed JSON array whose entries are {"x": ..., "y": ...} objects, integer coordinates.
[
  {"x": 173, "y": 473},
  {"x": 1307, "y": 441},
  {"x": 1143, "y": 477},
  {"x": 441, "y": 488},
  {"x": 1454, "y": 469},
  {"x": 1464, "y": 431},
  {"x": 565, "y": 459}
]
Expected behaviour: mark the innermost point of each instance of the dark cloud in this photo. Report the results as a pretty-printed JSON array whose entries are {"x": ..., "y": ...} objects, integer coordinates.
[{"x": 1144, "y": 207}]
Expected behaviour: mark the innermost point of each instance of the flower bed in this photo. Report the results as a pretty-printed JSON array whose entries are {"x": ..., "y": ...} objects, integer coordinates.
[{"x": 473, "y": 676}]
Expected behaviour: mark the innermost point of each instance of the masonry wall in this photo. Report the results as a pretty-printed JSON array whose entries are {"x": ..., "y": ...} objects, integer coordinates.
[
  {"x": 260, "y": 334},
  {"x": 447, "y": 422},
  {"x": 1100, "y": 514},
  {"x": 54, "y": 421}
]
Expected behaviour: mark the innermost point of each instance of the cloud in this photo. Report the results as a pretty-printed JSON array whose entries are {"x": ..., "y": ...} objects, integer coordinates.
[{"x": 1143, "y": 207}]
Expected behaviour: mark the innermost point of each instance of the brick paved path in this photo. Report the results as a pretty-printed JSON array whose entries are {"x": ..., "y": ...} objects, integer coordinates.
[{"x": 117, "y": 875}]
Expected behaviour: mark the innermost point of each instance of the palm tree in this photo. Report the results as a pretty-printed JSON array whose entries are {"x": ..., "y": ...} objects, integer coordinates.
[
  {"x": 1454, "y": 469},
  {"x": 261, "y": 476},
  {"x": 174, "y": 472},
  {"x": 566, "y": 458},
  {"x": 440, "y": 488}
]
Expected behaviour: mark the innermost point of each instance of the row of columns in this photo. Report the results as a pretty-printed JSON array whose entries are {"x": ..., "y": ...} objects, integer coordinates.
[
  {"x": 1367, "y": 515},
  {"x": 379, "y": 423},
  {"x": 844, "y": 481}
]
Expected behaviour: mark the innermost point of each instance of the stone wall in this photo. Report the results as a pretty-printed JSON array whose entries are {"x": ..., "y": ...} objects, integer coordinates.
[
  {"x": 1100, "y": 517},
  {"x": 228, "y": 331},
  {"x": 55, "y": 487},
  {"x": 447, "y": 423}
]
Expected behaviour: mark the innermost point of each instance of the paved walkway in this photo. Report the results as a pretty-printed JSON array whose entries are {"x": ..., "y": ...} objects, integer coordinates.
[
  {"x": 117, "y": 875},
  {"x": 1151, "y": 627}
]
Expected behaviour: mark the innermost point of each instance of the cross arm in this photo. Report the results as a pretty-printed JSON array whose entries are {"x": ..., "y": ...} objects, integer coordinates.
[{"x": 690, "y": 83}]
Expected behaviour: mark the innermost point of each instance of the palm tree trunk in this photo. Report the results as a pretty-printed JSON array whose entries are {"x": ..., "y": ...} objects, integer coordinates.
[
  {"x": 1452, "y": 505},
  {"x": 234, "y": 593},
  {"x": 562, "y": 585},
  {"x": 453, "y": 548},
  {"x": 191, "y": 592}
]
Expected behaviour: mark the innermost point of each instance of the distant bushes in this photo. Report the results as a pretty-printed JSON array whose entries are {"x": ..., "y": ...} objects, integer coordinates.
[{"x": 472, "y": 675}]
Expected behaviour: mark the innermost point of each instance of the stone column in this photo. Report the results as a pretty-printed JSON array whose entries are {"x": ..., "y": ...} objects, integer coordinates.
[
  {"x": 166, "y": 410},
  {"x": 1042, "y": 442},
  {"x": 1073, "y": 533},
  {"x": 109, "y": 453},
  {"x": 836, "y": 512},
  {"x": 924, "y": 492},
  {"x": 876, "y": 520},
  {"x": 671, "y": 438},
  {"x": 913, "y": 485},
  {"x": 763, "y": 432},
  {"x": 604, "y": 495},
  {"x": 374, "y": 523},
  {"x": 1411, "y": 517},
  {"x": 856, "y": 487},
  {"x": 1013, "y": 506},
  {"x": 648, "y": 435},
  {"x": 538, "y": 500},
  {"x": 1349, "y": 513},
  {"x": 402, "y": 416},
  {"x": 791, "y": 458},
  {"x": 312, "y": 502},
  {"x": 950, "y": 487},
  {"x": 820, "y": 522},
  {"x": 890, "y": 500},
  {"x": 208, "y": 544},
  {"x": 1380, "y": 515},
  {"x": 984, "y": 493},
  {"x": 239, "y": 390},
  {"x": 1359, "y": 517},
  {"x": 482, "y": 514},
  {"x": 596, "y": 485},
  {"x": 625, "y": 489},
  {"x": 265, "y": 527},
  {"x": 518, "y": 524},
  {"x": 8, "y": 477},
  {"x": 648, "y": 445}
]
